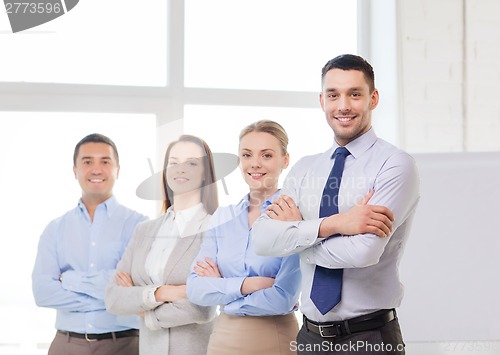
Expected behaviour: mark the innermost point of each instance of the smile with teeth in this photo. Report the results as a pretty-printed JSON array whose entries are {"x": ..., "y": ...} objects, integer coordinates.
[
  {"x": 96, "y": 180},
  {"x": 345, "y": 119}
]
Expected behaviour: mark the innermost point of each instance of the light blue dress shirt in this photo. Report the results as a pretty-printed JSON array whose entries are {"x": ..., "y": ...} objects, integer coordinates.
[
  {"x": 227, "y": 242},
  {"x": 83, "y": 254}
]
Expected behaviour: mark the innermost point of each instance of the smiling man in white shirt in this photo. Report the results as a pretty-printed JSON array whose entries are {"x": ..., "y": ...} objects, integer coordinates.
[{"x": 365, "y": 242}]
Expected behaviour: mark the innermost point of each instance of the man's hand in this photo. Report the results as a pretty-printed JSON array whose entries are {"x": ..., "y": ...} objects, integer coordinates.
[
  {"x": 283, "y": 208},
  {"x": 207, "y": 268},
  {"x": 255, "y": 283},
  {"x": 124, "y": 279},
  {"x": 362, "y": 218}
]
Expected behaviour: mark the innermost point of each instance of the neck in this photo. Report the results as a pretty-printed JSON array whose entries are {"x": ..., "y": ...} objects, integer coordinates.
[
  {"x": 186, "y": 200},
  {"x": 258, "y": 197},
  {"x": 91, "y": 203}
]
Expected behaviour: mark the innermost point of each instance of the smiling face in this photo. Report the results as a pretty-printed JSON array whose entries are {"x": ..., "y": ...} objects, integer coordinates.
[
  {"x": 347, "y": 103},
  {"x": 261, "y": 161},
  {"x": 96, "y": 170},
  {"x": 185, "y": 172}
]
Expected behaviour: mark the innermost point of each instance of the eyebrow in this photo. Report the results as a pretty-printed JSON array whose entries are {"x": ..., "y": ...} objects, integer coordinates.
[
  {"x": 190, "y": 158},
  {"x": 103, "y": 158},
  {"x": 356, "y": 88},
  {"x": 262, "y": 150}
]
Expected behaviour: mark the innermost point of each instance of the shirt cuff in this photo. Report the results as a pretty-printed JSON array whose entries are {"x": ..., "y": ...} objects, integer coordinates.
[
  {"x": 69, "y": 279},
  {"x": 150, "y": 320},
  {"x": 234, "y": 308},
  {"x": 307, "y": 234},
  {"x": 148, "y": 297},
  {"x": 233, "y": 287}
]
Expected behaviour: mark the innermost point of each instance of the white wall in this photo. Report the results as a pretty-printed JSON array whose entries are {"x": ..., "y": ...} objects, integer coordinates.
[{"x": 448, "y": 58}]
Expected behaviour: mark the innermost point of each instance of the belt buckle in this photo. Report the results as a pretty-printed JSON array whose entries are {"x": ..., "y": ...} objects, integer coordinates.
[
  {"x": 88, "y": 339},
  {"x": 320, "y": 327}
]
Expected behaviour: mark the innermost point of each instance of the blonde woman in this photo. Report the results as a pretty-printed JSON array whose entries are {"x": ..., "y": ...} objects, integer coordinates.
[
  {"x": 151, "y": 278},
  {"x": 258, "y": 295}
]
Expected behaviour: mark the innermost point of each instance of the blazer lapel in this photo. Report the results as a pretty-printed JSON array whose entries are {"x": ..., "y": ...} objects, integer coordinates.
[
  {"x": 193, "y": 232},
  {"x": 149, "y": 237}
]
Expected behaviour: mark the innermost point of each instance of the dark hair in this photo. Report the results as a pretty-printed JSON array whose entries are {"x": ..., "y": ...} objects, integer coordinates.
[
  {"x": 208, "y": 194},
  {"x": 95, "y": 138},
  {"x": 350, "y": 62}
]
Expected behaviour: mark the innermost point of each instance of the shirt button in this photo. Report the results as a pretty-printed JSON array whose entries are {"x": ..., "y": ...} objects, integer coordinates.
[
  {"x": 90, "y": 326},
  {"x": 92, "y": 265},
  {"x": 93, "y": 244},
  {"x": 307, "y": 259}
]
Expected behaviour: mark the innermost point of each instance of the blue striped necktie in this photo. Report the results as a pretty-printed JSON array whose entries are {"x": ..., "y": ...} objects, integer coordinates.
[{"x": 327, "y": 283}]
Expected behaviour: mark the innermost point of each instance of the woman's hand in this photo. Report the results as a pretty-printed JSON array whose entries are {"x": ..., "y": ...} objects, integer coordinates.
[
  {"x": 207, "y": 268},
  {"x": 170, "y": 293},
  {"x": 124, "y": 279},
  {"x": 255, "y": 283},
  {"x": 284, "y": 208}
]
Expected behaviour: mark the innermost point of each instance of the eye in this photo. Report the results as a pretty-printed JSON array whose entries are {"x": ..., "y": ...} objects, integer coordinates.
[
  {"x": 332, "y": 96},
  {"x": 267, "y": 155},
  {"x": 245, "y": 155},
  {"x": 87, "y": 162},
  {"x": 193, "y": 163},
  {"x": 356, "y": 94}
]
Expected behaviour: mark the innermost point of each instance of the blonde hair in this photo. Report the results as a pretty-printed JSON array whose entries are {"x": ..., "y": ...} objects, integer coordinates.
[{"x": 271, "y": 127}]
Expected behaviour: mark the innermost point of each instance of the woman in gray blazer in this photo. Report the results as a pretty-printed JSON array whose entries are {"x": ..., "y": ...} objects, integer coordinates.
[{"x": 150, "y": 279}]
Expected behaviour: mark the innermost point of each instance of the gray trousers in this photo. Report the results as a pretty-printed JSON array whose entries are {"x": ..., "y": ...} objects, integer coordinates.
[
  {"x": 67, "y": 345},
  {"x": 384, "y": 340}
]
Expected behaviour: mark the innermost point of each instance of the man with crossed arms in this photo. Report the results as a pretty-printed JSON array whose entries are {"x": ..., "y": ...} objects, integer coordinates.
[{"x": 364, "y": 242}]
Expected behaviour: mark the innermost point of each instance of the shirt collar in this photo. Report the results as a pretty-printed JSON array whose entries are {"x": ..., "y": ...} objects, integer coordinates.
[
  {"x": 245, "y": 201},
  {"x": 109, "y": 205},
  {"x": 182, "y": 218},
  {"x": 359, "y": 145}
]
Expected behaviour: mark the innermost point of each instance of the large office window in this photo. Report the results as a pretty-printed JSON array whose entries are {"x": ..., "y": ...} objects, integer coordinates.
[
  {"x": 144, "y": 73},
  {"x": 112, "y": 42},
  {"x": 265, "y": 45}
]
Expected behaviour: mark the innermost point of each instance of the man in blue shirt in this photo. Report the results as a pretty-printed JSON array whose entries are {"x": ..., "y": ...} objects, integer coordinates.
[{"x": 77, "y": 255}]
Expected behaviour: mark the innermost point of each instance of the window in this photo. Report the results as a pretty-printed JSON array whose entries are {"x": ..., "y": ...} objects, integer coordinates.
[
  {"x": 265, "y": 45},
  {"x": 37, "y": 185},
  {"x": 97, "y": 42}
]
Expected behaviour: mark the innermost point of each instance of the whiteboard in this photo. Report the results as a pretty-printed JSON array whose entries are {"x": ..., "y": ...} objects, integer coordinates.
[{"x": 451, "y": 265}]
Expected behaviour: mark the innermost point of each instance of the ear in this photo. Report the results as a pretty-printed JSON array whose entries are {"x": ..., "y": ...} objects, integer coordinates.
[
  {"x": 74, "y": 171},
  {"x": 322, "y": 101},
  {"x": 286, "y": 161},
  {"x": 118, "y": 171},
  {"x": 374, "y": 99}
]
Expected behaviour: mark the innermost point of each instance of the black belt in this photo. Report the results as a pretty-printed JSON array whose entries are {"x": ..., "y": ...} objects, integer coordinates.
[
  {"x": 359, "y": 324},
  {"x": 95, "y": 337}
]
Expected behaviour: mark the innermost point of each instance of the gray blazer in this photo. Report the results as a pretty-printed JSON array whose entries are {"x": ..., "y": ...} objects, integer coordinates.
[{"x": 189, "y": 325}]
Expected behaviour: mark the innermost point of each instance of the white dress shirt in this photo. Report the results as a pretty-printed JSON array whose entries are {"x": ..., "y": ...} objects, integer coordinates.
[
  {"x": 172, "y": 228},
  {"x": 371, "y": 278}
]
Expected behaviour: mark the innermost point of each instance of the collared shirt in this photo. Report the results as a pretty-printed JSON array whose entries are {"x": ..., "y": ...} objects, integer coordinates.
[
  {"x": 76, "y": 258},
  {"x": 371, "y": 279},
  {"x": 173, "y": 226},
  {"x": 227, "y": 242}
]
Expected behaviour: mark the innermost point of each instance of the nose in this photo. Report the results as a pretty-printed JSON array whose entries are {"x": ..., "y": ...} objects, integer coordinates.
[
  {"x": 344, "y": 104},
  {"x": 256, "y": 162}
]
